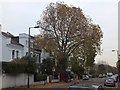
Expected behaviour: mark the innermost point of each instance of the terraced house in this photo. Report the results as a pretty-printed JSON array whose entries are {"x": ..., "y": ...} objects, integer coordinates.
[
  {"x": 17, "y": 46},
  {"x": 13, "y": 47}
]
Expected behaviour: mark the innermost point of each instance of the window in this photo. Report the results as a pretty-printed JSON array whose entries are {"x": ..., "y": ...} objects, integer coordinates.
[
  {"x": 26, "y": 53},
  {"x": 26, "y": 43},
  {"x": 31, "y": 54},
  {"x": 39, "y": 59},
  {"x": 31, "y": 44},
  {"x": 17, "y": 54},
  {"x": 13, "y": 54}
]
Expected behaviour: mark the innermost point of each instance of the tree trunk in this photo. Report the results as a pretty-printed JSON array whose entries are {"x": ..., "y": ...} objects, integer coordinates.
[{"x": 62, "y": 66}]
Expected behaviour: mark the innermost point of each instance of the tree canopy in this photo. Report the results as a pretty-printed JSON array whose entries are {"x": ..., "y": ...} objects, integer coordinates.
[
  {"x": 67, "y": 31},
  {"x": 47, "y": 66}
]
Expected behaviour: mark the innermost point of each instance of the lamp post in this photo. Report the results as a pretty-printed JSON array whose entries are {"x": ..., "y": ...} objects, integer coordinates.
[
  {"x": 29, "y": 51},
  {"x": 118, "y": 67}
]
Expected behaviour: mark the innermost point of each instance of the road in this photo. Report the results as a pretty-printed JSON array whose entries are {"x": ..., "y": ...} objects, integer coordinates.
[{"x": 90, "y": 82}]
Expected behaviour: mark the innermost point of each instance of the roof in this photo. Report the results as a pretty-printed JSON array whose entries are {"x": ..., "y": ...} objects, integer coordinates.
[
  {"x": 14, "y": 39},
  {"x": 7, "y": 34}
]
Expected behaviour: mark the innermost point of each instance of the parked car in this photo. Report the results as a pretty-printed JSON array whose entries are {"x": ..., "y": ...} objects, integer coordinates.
[
  {"x": 80, "y": 87},
  {"x": 85, "y": 77},
  {"x": 109, "y": 82},
  {"x": 109, "y": 74},
  {"x": 115, "y": 77}
]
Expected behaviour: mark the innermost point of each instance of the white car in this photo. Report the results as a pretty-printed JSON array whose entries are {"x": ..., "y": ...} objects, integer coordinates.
[
  {"x": 109, "y": 82},
  {"x": 115, "y": 77}
]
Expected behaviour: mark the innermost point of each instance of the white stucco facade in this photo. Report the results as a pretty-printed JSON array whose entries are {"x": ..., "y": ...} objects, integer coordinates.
[
  {"x": 23, "y": 39},
  {"x": 12, "y": 47},
  {"x": 8, "y": 48}
]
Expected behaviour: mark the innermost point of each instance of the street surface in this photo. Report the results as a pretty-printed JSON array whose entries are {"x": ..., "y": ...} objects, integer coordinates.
[
  {"x": 90, "y": 82},
  {"x": 63, "y": 85}
]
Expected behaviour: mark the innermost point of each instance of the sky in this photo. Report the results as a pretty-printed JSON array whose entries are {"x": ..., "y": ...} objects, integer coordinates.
[{"x": 16, "y": 16}]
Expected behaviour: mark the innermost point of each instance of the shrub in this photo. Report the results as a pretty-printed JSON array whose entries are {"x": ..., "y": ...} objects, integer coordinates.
[
  {"x": 20, "y": 66},
  {"x": 40, "y": 77},
  {"x": 10, "y": 67}
]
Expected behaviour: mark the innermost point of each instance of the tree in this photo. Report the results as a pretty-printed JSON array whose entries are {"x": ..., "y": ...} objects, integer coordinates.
[
  {"x": 47, "y": 66},
  {"x": 77, "y": 68},
  {"x": 29, "y": 64},
  {"x": 101, "y": 68},
  {"x": 67, "y": 30}
]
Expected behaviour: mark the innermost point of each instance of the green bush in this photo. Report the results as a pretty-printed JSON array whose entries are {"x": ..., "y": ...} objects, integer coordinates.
[
  {"x": 40, "y": 77},
  {"x": 31, "y": 67},
  {"x": 20, "y": 65},
  {"x": 9, "y": 67}
]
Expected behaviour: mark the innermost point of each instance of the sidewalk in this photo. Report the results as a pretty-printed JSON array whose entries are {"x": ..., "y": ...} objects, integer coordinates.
[
  {"x": 48, "y": 85},
  {"x": 32, "y": 87},
  {"x": 53, "y": 84}
]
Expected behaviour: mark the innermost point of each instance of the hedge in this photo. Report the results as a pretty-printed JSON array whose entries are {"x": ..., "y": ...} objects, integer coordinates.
[
  {"x": 9, "y": 67},
  {"x": 40, "y": 77},
  {"x": 20, "y": 66}
]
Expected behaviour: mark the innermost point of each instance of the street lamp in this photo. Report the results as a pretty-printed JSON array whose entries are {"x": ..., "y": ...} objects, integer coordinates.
[
  {"x": 29, "y": 39},
  {"x": 118, "y": 67},
  {"x": 29, "y": 51}
]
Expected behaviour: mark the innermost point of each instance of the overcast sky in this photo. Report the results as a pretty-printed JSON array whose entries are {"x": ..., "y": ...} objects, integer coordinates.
[{"x": 17, "y": 17}]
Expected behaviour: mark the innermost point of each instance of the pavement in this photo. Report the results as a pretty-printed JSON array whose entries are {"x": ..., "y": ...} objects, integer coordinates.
[
  {"x": 52, "y": 85},
  {"x": 39, "y": 86},
  {"x": 47, "y": 85}
]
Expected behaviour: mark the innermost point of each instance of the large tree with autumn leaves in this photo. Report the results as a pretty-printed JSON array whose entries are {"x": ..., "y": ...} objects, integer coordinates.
[{"x": 68, "y": 32}]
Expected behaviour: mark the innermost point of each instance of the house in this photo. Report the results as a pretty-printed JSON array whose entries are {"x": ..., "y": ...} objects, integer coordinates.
[
  {"x": 13, "y": 47},
  {"x": 17, "y": 46}
]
